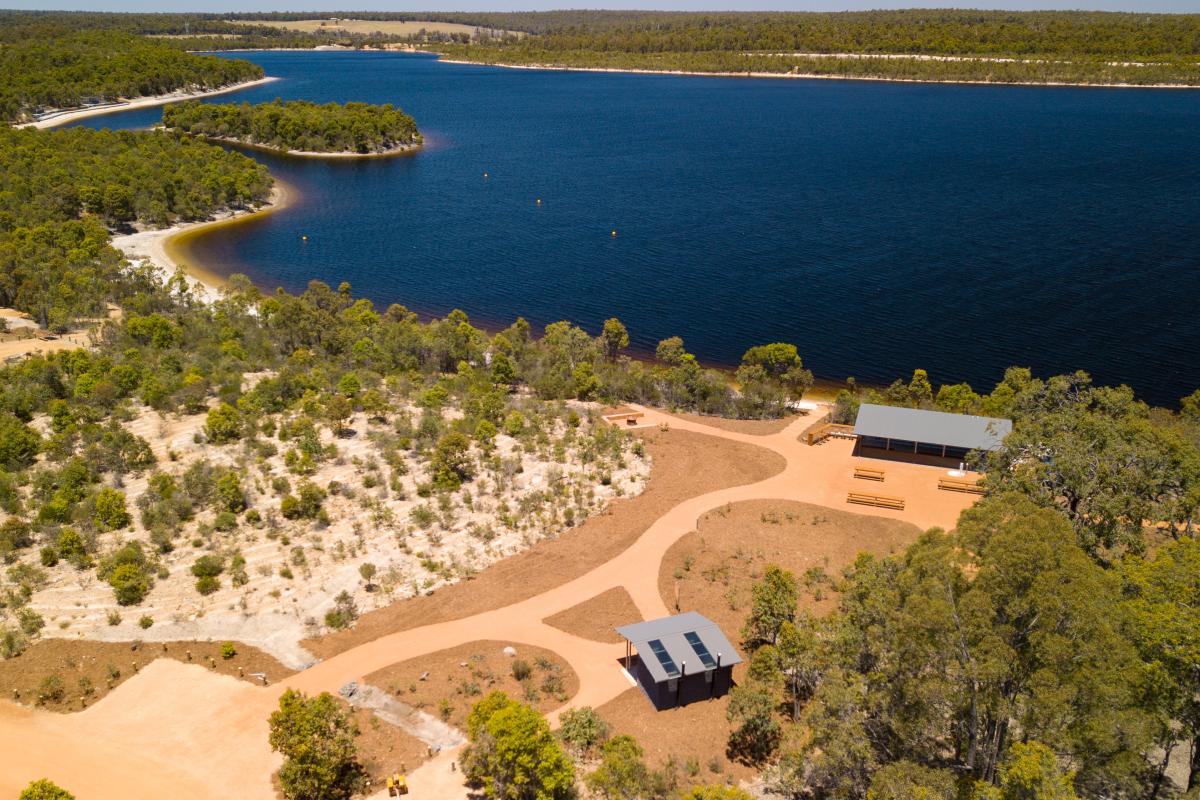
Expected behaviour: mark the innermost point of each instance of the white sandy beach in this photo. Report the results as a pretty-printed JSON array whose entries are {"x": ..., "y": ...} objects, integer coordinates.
[
  {"x": 63, "y": 117},
  {"x": 394, "y": 151},
  {"x": 152, "y": 245}
]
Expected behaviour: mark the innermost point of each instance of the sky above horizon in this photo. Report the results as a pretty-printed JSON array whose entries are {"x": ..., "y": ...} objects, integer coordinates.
[{"x": 224, "y": 6}]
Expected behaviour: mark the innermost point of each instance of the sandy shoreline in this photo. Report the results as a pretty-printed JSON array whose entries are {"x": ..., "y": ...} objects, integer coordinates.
[
  {"x": 808, "y": 76},
  {"x": 262, "y": 148},
  {"x": 163, "y": 247},
  {"x": 141, "y": 102}
]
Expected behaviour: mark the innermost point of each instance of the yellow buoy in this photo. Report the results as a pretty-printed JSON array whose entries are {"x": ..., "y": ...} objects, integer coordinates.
[
  {"x": 614, "y": 233},
  {"x": 539, "y": 201},
  {"x": 304, "y": 237}
]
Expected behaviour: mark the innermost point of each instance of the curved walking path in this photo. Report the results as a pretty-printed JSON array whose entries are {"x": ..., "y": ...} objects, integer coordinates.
[{"x": 175, "y": 731}]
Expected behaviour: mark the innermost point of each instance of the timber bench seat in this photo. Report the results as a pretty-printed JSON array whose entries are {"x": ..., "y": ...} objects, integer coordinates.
[
  {"x": 827, "y": 430},
  {"x": 956, "y": 485},
  {"x": 877, "y": 500},
  {"x": 868, "y": 474}
]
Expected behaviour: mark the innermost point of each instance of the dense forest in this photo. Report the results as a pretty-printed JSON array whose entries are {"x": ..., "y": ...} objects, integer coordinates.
[
  {"x": 951, "y": 45},
  {"x": 863, "y": 67},
  {"x": 996, "y": 662},
  {"x": 103, "y": 66},
  {"x": 61, "y": 192},
  {"x": 299, "y": 125},
  {"x": 914, "y": 31},
  {"x": 1005, "y": 47}
]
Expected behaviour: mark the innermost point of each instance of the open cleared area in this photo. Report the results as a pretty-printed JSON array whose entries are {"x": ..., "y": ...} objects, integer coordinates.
[
  {"x": 367, "y": 27},
  {"x": 70, "y": 674},
  {"x": 712, "y": 568},
  {"x": 447, "y": 683},
  {"x": 384, "y": 748},
  {"x": 599, "y": 617},
  {"x": 689, "y": 740}
]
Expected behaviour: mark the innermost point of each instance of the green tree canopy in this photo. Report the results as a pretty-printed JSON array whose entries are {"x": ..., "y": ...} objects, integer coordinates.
[
  {"x": 614, "y": 338},
  {"x": 316, "y": 737},
  {"x": 1093, "y": 453},
  {"x": 512, "y": 754},
  {"x": 18, "y": 443},
  {"x": 1030, "y": 771},
  {"x": 773, "y": 603},
  {"x": 622, "y": 774},
  {"x": 45, "y": 790},
  {"x": 904, "y": 780},
  {"x": 962, "y": 641}
]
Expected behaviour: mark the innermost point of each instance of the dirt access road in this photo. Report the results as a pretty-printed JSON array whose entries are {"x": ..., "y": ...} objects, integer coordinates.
[{"x": 177, "y": 730}]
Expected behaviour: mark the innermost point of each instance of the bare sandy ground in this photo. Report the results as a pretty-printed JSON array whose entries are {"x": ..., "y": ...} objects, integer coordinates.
[
  {"x": 14, "y": 319},
  {"x": 154, "y": 245},
  {"x": 369, "y": 26},
  {"x": 63, "y": 117},
  {"x": 17, "y": 348},
  {"x": 23, "y": 334},
  {"x": 188, "y": 734}
]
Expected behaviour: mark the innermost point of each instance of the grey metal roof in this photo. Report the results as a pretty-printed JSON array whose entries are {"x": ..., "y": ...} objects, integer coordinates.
[
  {"x": 931, "y": 427},
  {"x": 672, "y": 633}
]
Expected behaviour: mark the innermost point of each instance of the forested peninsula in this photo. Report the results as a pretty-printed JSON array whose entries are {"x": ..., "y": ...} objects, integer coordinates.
[
  {"x": 299, "y": 126},
  {"x": 916, "y": 45},
  {"x": 79, "y": 68}
]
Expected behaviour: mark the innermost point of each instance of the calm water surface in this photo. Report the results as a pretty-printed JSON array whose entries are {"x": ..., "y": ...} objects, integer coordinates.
[{"x": 880, "y": 227}]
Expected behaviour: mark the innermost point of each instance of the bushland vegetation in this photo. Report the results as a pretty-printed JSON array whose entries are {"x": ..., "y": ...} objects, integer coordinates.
[
  {"x": 97, "y": 66},
  {"x": 978, "y": 663},
  {"x": 299, "y": 125},
  {"x": 61, "y": 192}
]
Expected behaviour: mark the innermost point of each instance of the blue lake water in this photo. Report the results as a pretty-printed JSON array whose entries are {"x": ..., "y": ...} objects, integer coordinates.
[{"x": 878, "y": 226}]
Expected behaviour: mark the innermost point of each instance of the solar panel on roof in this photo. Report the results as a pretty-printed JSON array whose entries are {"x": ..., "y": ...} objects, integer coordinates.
[
  {"x": 660, "y": 652},
  {"x": 706, "y": 658}
]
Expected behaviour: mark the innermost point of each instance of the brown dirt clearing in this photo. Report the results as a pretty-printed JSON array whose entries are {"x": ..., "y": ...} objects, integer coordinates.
[
  {"x": 596, "y": 618},
  {"x": 451, "y": 689},
  {"x": 90, "y": 670},
  {"x": 384, "y": 748},
  {"x": 753, "y": 427},
  {"x": 692, "y": 737},
  {"x": 715, "y": 566},
  {"x": 368, "y": 26}
]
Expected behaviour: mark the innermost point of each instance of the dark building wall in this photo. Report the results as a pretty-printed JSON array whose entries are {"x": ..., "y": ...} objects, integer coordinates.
[
  {"x": 687, "y": 689},
  {"x": 920, "y": 448}
]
